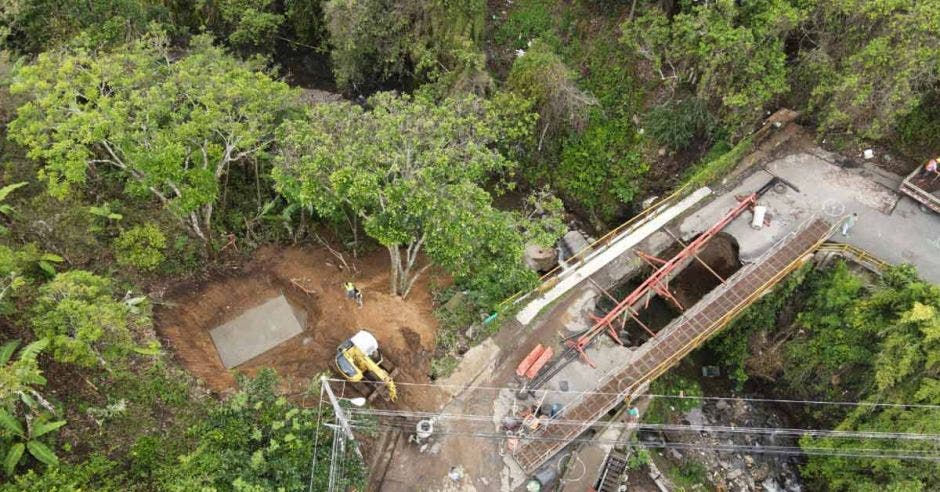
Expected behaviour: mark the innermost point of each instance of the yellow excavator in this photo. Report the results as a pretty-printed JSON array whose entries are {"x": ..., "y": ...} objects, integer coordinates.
[{"x": 359, "y": 358}]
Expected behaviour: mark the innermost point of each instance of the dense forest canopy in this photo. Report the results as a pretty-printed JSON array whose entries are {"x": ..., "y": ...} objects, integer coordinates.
[{"x": 139, "y": 139}]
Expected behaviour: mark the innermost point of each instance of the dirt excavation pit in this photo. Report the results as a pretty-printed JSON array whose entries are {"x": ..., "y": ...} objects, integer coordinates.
[
  {"x": 286, "y": 309},
  {"x": 689, "y": 286},
  {"x": 694, "y": 281}
]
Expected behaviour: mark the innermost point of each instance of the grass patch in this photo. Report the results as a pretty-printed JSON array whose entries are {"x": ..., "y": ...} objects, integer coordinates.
[
  {"x": 690, "y": 475},
  {"x": 665, "y": 410},
  {"x": 710, "y": 171},
  {"x": 529, "y": 19}
]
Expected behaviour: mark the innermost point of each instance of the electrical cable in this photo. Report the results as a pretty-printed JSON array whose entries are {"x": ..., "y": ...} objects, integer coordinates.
[
  {"x": 877, "y": 453},
  {"x": 653, "y": 395},
  {"x": 773, "y": 431}
]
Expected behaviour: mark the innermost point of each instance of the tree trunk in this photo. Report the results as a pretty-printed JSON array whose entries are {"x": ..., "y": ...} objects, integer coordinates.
[
  {"x": 396, "y": 272},
  {"x": 401, "y": 278}
]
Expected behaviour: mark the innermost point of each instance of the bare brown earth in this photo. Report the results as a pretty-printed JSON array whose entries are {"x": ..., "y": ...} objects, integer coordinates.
[{"x": 405, "y": 329}]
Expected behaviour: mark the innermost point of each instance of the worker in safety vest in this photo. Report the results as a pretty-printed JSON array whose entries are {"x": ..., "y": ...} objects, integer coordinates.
[
  {"x": 930, "y": 167},
  {"x": 849, "y": 223},
  {"x": 353, "y": 293}
]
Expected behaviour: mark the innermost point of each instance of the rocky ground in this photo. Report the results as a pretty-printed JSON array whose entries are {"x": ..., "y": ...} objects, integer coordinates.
[{"x": 733, "y": 470}]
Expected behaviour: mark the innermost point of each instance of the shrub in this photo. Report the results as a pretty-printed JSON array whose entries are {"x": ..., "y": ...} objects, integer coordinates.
[
  {"x": 601, "y": 168},
  {"x": 76, "y": 310},
  {"x": 541, "y": 76},
  {"x": 676, "y": 124},
  {"x": 665, "y": 410},
  {"x": 140, "y": 247}
]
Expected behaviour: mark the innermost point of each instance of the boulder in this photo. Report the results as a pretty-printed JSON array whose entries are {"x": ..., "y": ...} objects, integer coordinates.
[
  {"x": 573, "y": 242},
  {"x": 540, "y": 259}
]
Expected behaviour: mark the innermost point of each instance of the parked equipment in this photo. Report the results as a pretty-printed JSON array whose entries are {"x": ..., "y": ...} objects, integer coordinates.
[{"x": 358, "y": 359}]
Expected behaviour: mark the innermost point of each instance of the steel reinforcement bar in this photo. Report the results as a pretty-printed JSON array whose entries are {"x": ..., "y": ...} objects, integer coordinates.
[{"x": 675, "y": 341}]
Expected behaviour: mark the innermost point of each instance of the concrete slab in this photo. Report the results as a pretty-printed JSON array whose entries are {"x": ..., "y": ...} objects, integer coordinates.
[
  {"x": 257, "y": 330},
  {"x": 479, "y": 360},
  {"x": 892, "y": 227}
]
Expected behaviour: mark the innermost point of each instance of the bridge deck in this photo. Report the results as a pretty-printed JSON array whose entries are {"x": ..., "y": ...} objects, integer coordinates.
[{"x": 672, "y": 343}]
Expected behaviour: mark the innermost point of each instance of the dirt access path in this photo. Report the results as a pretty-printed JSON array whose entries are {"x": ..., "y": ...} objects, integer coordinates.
[{"x": 406, "y": 329}]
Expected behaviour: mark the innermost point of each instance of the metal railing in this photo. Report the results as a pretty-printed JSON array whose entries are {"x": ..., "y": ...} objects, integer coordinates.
[{"x": 855, "y": 254}]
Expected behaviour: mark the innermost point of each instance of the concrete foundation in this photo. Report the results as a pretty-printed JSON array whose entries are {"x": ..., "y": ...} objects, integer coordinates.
[{"x": 257, "y": 330}]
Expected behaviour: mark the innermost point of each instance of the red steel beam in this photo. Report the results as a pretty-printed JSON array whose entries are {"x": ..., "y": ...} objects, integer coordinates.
[{"x": 659, "y": 278}]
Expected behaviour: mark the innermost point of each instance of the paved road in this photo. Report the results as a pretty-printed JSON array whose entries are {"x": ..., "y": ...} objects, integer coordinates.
[{"x": 890, "y": 226}]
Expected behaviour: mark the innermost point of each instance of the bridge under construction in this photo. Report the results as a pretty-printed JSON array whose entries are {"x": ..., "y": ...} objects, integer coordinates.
[{"x": 671, "y": 344}]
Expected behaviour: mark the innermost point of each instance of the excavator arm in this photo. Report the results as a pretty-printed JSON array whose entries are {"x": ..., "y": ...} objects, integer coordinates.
[{"x": 370, "y": 367}]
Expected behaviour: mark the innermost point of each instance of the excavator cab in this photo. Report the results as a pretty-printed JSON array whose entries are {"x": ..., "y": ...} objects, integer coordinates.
[{"x": 344, "y": 365}]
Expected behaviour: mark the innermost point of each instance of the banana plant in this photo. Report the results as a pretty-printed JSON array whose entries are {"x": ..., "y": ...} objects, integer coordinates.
[
  {"x": 26, "y": 438},
  {"x": 19, "y": 378},
  {"x": 5, "y": 208}
]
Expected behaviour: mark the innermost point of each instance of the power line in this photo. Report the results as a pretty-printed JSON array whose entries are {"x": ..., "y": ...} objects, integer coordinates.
[
  {"x": 772, "y": 431},
  {"x": 878, "y": 453},
  {"x": 316, "y": 441},
  {"x": 662, "y": 396}
]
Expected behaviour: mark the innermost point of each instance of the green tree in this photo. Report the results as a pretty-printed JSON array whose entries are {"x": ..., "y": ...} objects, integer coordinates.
[
  {"x": 729, "y": 53},
  {"x": 172, "y": 126},
  {"x": 380, "y": 41},
  {"x": 31, "y": 26},
  {"x": 367, "y": 39},
  {"x": 140, "y": 247},
  {"x": 868, "y": 63},
  {"x": 898, "y": 323},
  {"x": 833, "y": 355},
  {"x": 246, "y": 23},
  {"x": 411, "y": 170},
  {"x": 85, "y": 324}
]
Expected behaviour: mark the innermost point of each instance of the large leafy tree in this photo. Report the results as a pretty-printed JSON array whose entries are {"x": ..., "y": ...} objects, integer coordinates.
[
  {"x": 881, "y": 346},
  {"x": 34, "y": 25},
  {"x": 172, "y": 126},
  {"x": 411, "y": 171},
  {"x": 373, "y": 42},
  {"x": 729, "y": 53},
  {"x": 867, "y": 63}
]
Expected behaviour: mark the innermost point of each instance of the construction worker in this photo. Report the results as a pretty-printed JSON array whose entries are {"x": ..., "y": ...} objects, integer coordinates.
[
  {"x": 930, "y": 167},
  {"x": 353, "y": 293},
  {"x": 849, "y": 223}
]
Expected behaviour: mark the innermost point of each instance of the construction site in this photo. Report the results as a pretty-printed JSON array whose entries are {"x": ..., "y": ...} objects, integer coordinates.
[{"x": 548, "y": 401}]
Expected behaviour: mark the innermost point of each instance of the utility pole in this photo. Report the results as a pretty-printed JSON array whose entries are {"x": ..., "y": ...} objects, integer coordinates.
[{"x": 340, "y": 415}]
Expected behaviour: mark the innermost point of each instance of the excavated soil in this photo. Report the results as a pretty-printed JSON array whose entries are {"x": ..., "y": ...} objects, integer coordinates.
[
  {"x": 405, "y": 329},
  {"x": 695, "y": 280}
]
